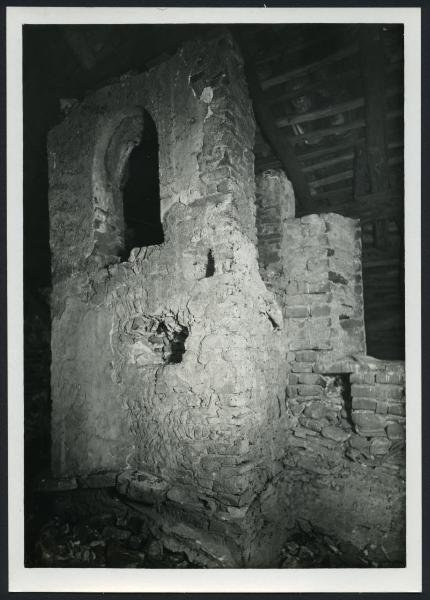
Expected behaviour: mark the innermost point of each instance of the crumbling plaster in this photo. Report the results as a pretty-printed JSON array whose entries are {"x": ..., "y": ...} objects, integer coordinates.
[{"x": 177, "y": 376}]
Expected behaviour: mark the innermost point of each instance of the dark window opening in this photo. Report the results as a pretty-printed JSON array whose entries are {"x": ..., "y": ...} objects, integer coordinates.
[{"x": 141, "y": 192}]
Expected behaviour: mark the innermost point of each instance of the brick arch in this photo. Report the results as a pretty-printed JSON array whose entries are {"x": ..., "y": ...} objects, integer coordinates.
[{"x": 118, "y": 135}]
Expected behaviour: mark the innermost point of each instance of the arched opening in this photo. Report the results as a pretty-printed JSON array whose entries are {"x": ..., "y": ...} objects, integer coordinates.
[{"x": 141, "y": 192}]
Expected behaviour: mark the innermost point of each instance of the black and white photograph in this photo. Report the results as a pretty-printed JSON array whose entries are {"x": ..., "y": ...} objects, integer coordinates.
[{"x": 210, "y": 230}]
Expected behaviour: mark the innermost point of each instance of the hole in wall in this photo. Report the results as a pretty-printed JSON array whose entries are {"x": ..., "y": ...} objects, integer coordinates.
[
  {"x": 157, "y": 341},
  {"x": 141, "y": 192},
  {"x": 210, "y": 265},
  {"x": 337, "y": 391},
  {"x": 174, "y": 342},
  {"x": 343, "y": 381},
  {"x": 273, "y": 322},
  {"x": 337, "y": 278}
]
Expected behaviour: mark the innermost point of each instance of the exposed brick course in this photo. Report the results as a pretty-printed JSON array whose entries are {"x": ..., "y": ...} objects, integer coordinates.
[{"x": 271, "y": 411}]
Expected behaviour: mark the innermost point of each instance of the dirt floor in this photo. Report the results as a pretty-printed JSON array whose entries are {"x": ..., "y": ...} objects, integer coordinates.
[{"x": 116, "y": 538}]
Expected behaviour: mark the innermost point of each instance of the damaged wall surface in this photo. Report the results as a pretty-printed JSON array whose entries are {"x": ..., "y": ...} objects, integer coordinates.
[{"x": 208, "y": 377}]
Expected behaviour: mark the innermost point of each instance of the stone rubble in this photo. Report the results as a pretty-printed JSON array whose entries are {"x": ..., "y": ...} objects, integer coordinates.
[{"x": 123, "y": 541}]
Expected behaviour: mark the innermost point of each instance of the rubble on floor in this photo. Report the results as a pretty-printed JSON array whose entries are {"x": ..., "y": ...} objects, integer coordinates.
[
  {"x": 102, "y": 541},
  {"x": 106, "y": 540}
]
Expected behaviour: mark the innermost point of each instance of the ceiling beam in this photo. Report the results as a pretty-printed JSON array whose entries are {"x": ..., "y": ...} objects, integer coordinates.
[
  {"x": 306, "y": 69},
  {"x": 267, "y": 123},
  {"x": 367, "y": 208}
]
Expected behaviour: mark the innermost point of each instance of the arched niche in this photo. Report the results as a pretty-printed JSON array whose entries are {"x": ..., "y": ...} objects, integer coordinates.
[
  {"x": 141, "y": 191},
  {"x": 126, "y": 187}
]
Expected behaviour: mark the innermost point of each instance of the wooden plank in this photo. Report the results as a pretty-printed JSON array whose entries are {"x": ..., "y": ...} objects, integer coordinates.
[
  {"x": 367, "y": 208},
  {"x": 283, "y": 77},
  {"x": 266, "y": 121},
  {"x": 274, "y": 163},
  {"x": 334, "y": 130},
  {"x": 337, "y": 129},
  {"x": 275, "y": 99},
  {"x": 332, "y": 178},
  {"x": 305, "y": 156},
  {"x": 328, "y": 111},
  {"x": 329, "y": 162},
  {"x": 331, "y": 199},
  {"x": 321, "y": 113}
]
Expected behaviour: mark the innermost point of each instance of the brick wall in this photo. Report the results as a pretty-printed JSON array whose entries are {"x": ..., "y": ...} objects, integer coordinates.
[
  {"x": 323, "y": 299},
  {"x": 255, "y": 410},
  {"x": 190, "y": 437},
  {"x": 379, "y": 414},
  {"x": 275, "y": 204},
  {"x": 343, "y": 467}
]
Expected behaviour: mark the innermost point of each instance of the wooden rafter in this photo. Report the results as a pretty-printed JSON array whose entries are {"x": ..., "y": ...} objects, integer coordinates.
[
  {"x": 284, "y": 77},
  {"x": 346, "y": 156},
  {"x": 297, "y": 91},
  {"x": 279, "y": 142},
  {"x": 321, "y": 113},
  {"x": 334, "y": 109},
  {"x": 338, "y": 129},
  {"x": 337, "y": 78},
  {"x": 367, "y": 208}
]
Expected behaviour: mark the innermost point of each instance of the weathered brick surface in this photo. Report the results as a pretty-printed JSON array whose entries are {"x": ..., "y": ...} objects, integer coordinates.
[
  {"x": 216, "y": 446},
  {"x": 275, "y": 203},
  {"x": 378, "y": 408},
  {"x": 118, "y": 402},
  {"x": 351, "y": 429},
  {"x": 321, "y": 260}
]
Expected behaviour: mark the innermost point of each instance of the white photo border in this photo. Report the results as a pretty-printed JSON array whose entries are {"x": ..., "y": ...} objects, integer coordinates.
[{"x": 23, "y": 579}]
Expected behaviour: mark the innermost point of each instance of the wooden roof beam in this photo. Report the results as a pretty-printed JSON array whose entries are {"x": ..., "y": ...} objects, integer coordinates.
[
  {"x": 342, "y": 77},
  {"x": 267, "y": 123},
  {"x": 337, "y": 129},
  {"x": 341, "y": 107},
  {"x": 305, "y": 69},
  {"x": 346, "y": 156},
  {"x": 327, "y": 151},
  {"x": 320, "y": 133},
  {"x": 298, "y": 91},
  {"x": 321, "y": 113},
  {"x": 367, "y": 208},
  {"x": 335, "y": 178}
]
